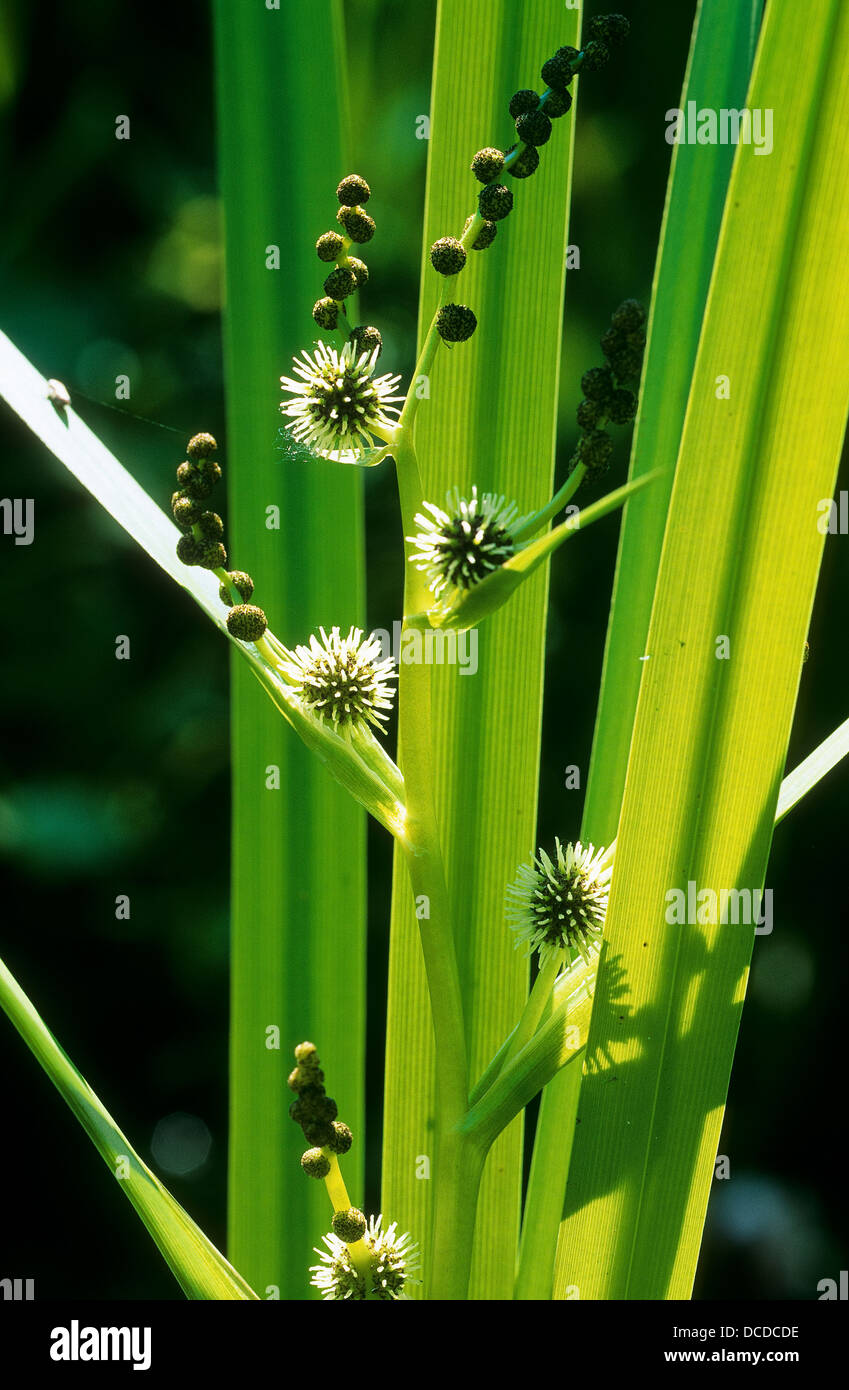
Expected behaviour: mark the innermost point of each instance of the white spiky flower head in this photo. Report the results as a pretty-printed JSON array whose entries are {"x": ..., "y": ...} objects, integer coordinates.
[
  {"x": 460, "y": 544},
  {"x": 344, "y": 680},
  {"x": 338, "y": 406},
  {"x": 560, "y": 905},
  {"x": 394, "y": 1260}
]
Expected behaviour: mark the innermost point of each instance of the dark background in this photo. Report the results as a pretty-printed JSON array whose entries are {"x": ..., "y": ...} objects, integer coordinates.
[{"x": 114, "y": 775}]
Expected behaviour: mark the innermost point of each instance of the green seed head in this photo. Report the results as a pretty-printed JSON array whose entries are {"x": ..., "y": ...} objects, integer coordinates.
[
  {"x": 366, "y": 339},
  {"x": 557, "y": 104},
  {"x": 485, "y": 237},
  {"x": 596, "y": 56},
  {"x": 314, "y": 1163},
  {"x": 358, "y": 225},
  {"x": 626, "y": 363},
  {"x": 244, "y": 584},
  {"x": 340, "y": 283},
  {"x": 211, "y": 526},
  {"x": 212, "y": 555},
  {"x": 487, "y": 164},
  {"x": 198, "y": 482},
  {"x": 455, "y": 323},
  {"x": 609, "y": 28},
  {"x": 329, "y": 246},
  {"x": 589, "y": 413},
  {"x": 318, "y": 1132},
  {"x": 306, "y": 1056},
  {"x": 495, "y": 201},
  {"x": 621, "y": 407},
  {"x": 597, "y": 384},
  {"x": 342, "y": 1138},
  {"x": 201, "y": 446},
  {"x": 353, "y": 191},
  {"x": 557, "y": 71},
  {"x": 184, "y": 509},
  {"x": 326, "y": 313},
  {"x": 594, "y": 451},
  {"x": 534, "y": 128},
  {"x": 359, "y": 270},
  {"x": 188, "y": 550},
  {"x": 447, "y": 255},
  {"x": 246, "y": 621},
  {"x": 349, "y": 1226},
  {"x": 525, "y": 100},
  {"x": 526, "y": 164},
  {"x": 630, "y": 317},
  {"x": 612, "y": 341}
]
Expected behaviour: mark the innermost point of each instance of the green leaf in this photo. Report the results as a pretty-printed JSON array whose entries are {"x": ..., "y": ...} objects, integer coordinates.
[
  {"x": 298, "y": 853},
  {"x": 199, "y": 1268},
  {"x": 472, "y": 430},
  {"x": 718, "y": 70},
  {"x": 740, "y": 559}
]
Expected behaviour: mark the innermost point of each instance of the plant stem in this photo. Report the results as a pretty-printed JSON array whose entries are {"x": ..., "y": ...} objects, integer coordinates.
[
  {"x": 460, "y": 1161},
  {"x": 539, "y": 1003},
  {"x": 338, "y": 1194},
  {"x": 427, "y": 878},
  {"x": 549, "y": 511}
]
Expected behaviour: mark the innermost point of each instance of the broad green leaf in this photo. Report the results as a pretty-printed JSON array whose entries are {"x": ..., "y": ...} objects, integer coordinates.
[
  {"x": 471, "y": 430},
  {"x": 199, "y": 1268},
  {"x": 740, "y": 561},
  {"x": 718, "y": 70},
  {"x": 298, "y": 853}
]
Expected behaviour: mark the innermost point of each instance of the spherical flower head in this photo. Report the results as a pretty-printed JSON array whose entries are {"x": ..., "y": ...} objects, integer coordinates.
[
  {"x": 557, "y": 71},
  {"x": 534, "y": 128},
  {"x": 201, "y": 446},
  {"x": 366, "y": 338},
  {"x": 329, "y": 245},
  {"x": 588, "y": 414},
  {"x": 353, "y": 191},
  {"x": 358, "y": 225},
  {"x": 485, "y": 237},
  {"x": 596, "y": 55},
  {"x": 326, "y": 313},
  {"x": 630, "y": 316},
  {"x": 315, "y": 1164},
  {"x": 394, "y": 1261},
  {"x": 246, "y": 622},
  {"x": 626, "y": 363},
  {"x": 526, "y": 164},
  {"x": 447, "y": 255},
  {"x": 495, "y": 201},
  {"x": 559, "y": 905},
  {"x": 455, "y": 323},
  {"x": 609, "y": 28},
  {"x": 622, "y": 406},
  {"x": 487, "y": 164},
  {"x": 557, "y": 104},
  {"x": 597, "y": 384},
  {"x": 525, "y": 100},
  {"x": 459, "y": 546},
  {"x": 337, "y": 404},
  {"x": 594, "y": 450},
  {"x": 340, "y": 283},
  {"x": 359, "y": 270},
  {"x": 185, "y": 511},
  {"x": 343, "y": 680},
  {"x": 243, "y": 583}
]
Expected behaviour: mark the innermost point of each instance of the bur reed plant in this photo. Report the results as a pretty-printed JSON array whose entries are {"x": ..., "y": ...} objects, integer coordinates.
[{"x": 703, "y": 659}]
